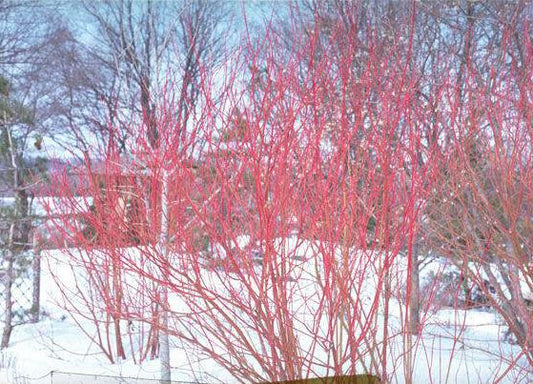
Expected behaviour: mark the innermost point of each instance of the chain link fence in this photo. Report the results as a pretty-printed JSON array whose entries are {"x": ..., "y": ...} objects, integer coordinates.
[
  {"x": 22, "y": 286},
  {"x": 19, "y": 277}
]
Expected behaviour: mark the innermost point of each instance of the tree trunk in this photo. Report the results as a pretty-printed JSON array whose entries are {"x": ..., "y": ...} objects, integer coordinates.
[
  {"x": 117, "y": 291},
  {"x": 36, "y": 269},
  {"x": 18, "y": 235},
  {"x": 22, "y": 214},
  {"x": 164, "y": 351},
  {"x": 8, "y": 282},
  {"x": 414, "y": 298}
]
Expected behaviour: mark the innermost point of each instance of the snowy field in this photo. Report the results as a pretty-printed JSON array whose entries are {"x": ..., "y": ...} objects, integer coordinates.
[{"x": 456, "y": 346}]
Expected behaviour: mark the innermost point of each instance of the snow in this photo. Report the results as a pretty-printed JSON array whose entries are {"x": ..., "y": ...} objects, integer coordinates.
[
  {"x": 43, "y": 205},
  {"x": 456, "y": 346}
]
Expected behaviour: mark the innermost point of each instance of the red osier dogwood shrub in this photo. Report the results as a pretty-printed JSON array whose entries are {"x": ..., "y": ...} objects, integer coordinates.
[{"x": 269, "y": 226}]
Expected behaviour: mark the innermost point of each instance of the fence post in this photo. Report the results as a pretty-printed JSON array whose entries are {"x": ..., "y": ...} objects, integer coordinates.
[{"x": 36, "y": 269}]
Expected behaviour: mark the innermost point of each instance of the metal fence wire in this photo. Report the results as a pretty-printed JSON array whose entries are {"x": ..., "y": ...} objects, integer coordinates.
[
  {"x": 60, "y": 377},
  {"x": 57, "y": 377},
  {"x": 21, "y": 288}
]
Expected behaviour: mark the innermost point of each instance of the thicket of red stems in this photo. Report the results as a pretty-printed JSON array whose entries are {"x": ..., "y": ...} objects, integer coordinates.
[
  {"x": 481, "y": 216},
  {"x": 110, "y": 280},
  {"x": 290, "y": 195}
]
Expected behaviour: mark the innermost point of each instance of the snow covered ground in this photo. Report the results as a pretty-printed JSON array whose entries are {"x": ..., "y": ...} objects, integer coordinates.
[
  {"x": 456, "y": 346},
  {"x": 42, "y": 205}
]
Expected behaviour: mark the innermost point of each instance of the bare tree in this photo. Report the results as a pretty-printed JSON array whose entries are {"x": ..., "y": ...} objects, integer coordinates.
[
  {"x": 112, "y": 73},
  {"x": 24, "y": 33}
]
